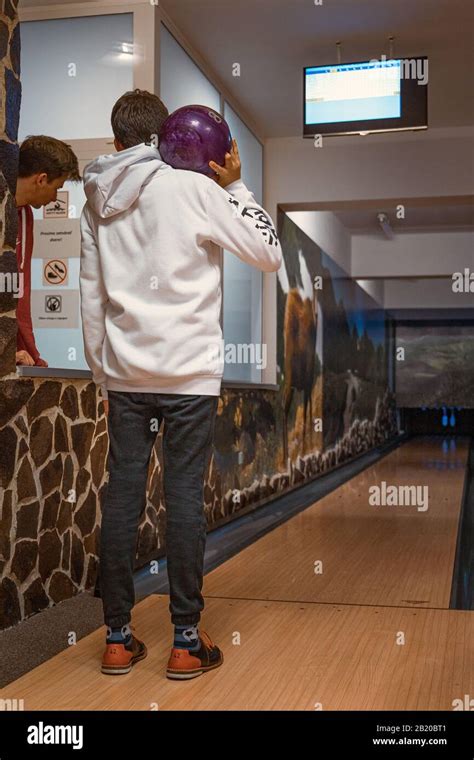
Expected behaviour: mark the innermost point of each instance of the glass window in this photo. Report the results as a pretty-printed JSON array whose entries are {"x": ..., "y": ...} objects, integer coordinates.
[
  {"x": 55, "y": 304},
  {"x": 72, "y": 72},
  {"x": 182, "y": 83},
  {"x": 242, "y": 282}
]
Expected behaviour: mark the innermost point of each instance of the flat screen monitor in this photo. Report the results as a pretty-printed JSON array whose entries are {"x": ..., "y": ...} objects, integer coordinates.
[{"x": 366, "y": 96}]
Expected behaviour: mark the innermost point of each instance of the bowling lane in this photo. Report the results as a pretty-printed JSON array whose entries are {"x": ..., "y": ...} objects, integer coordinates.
[
  {"x": 343, "y": 550},
  {"x": 346, "y": 659},
  {"x": 392, "y": 557}
]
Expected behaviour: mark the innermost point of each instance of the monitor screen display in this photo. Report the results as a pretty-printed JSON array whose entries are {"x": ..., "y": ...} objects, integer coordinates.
[{"x": 366, "y": 96}]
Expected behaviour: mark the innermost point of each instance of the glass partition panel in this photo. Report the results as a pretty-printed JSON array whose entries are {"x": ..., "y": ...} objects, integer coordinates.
[
  {"x": 242, "y": 282},
  {"x": 182, "y": 83},
  {"x": 72, "y": 72}
]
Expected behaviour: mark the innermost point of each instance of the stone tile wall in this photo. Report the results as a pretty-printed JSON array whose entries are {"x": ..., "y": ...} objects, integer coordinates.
[
  {"x": 53, "y": 480},
  {"x": 10, "y": 96}
]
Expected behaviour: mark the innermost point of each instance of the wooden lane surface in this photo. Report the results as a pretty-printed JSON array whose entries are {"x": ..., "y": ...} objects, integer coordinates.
[
  {"x": 370, "y": 555},
  {"x": 291, "y": 656},
  {"x": 345, "y": 639}
]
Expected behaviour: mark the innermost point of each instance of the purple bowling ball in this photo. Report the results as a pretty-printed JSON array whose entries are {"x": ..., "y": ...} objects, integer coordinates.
[{"x": 192, "y": 136}]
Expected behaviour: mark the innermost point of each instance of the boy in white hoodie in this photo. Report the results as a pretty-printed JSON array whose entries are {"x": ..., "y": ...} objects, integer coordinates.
[{"x": 150, "y": 288}]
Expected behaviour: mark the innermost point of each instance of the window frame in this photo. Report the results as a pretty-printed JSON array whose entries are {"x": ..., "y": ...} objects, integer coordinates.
[{"x": 147, "y": 20}]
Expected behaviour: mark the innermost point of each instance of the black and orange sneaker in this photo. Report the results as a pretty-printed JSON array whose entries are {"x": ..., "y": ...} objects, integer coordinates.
[
  {"x": 119, "y": 658},
  {"x": 184, "y": 664}
]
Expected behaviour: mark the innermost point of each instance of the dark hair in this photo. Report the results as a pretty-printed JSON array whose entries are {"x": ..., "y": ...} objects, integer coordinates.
[
  {"x": 39, "y": 153},
  {"x": 137, "y": 116}
]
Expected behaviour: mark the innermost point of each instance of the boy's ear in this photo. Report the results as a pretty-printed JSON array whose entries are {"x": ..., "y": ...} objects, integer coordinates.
[{"x": 118, "y": 145}]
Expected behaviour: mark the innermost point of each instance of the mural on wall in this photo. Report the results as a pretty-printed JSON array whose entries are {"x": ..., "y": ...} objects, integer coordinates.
[
  {"x": 334, "y": 398},
  {"x": 438, "y": 368},
  {"x": 332, "y": 367},
  {"x": 356, "y": 357},
  {"x": 300, "y": 342}
]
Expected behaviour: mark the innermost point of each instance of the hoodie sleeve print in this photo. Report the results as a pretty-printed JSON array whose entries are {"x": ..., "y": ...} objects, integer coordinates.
[
  {"x": 241, "y": 226},
  {"x": 93, "y": 302}
]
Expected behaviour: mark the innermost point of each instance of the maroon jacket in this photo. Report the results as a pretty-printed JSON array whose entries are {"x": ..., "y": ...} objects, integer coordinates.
[{"x": 24, "y": 250}]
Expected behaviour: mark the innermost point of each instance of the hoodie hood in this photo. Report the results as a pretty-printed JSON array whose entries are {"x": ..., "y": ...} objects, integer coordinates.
[{"x": 112, "y": 183}]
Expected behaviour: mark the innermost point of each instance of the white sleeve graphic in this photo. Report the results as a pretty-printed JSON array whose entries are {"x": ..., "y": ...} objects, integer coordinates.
[{"x": 240, "y": 225}]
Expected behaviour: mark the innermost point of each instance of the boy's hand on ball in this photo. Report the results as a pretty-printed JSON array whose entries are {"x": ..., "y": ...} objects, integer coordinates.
[{"x": 225, "y": 175}]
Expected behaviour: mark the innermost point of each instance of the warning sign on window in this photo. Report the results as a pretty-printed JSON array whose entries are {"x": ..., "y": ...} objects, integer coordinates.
[
  {"x": 58, "y": 208},
  {"x": 55, "y": 309},
  {"x": 55, "y": 272}
]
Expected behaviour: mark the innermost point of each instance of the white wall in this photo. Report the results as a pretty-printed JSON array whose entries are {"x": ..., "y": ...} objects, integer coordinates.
[
  {"x": 425, "y": 293},
  {"x": 433, "y": 163},
  {"x": 375, "y": 289},
  {"x": 327, "y": 232},
  {"x": 431, "y": 258},
  {"x": 423, "y": 253}
]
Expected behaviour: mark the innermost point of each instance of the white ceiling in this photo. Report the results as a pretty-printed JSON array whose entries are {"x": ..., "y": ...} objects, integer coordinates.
[
  {"x": 441, "y": 218},
  {"x": 274, "y": 39}
]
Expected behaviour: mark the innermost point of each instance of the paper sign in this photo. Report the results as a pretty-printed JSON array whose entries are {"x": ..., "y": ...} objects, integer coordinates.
[
  {"x": 58, "y": 208},
  {"x": 55, "y": 309},
  {"x": 57, "y": 239}
]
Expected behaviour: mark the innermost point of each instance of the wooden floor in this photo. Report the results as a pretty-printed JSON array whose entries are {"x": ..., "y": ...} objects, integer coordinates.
[
  {"x": 370, "y": 555},
  {"x": 371, "y": 632}
]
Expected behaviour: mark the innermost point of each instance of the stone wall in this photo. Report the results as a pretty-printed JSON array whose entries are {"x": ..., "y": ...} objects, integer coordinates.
[
  {"x": 53, "y": 448},
  {"x": 54, "y": 473},
  {"x": 10, "y": 96}
]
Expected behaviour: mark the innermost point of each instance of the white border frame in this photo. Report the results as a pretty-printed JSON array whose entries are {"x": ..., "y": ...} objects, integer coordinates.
[{"x": 147, "y": 19}]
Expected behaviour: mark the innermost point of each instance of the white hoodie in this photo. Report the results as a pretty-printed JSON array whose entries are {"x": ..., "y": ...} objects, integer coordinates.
[{"x": 150, "y": 280}]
